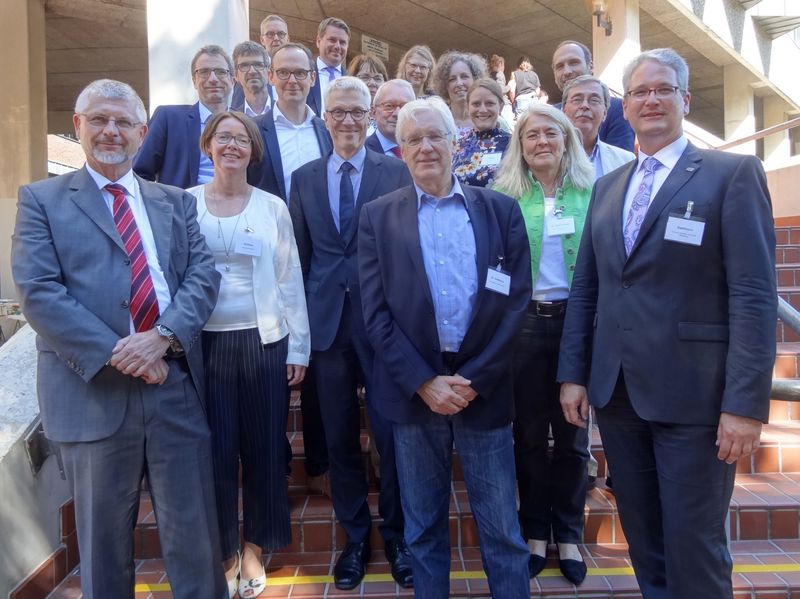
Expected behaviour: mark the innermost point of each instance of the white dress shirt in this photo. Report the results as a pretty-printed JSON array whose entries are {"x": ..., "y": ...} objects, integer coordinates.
[
  {"x": 134, "y": 196},
  {"x": 324, "y": 81},
  {"x": 668, "y": 156},
  {"x": 298, "y": 143}
]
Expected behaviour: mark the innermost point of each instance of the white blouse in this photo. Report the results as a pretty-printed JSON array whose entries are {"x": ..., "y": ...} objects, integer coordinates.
[{"x": 280, "y": 299}]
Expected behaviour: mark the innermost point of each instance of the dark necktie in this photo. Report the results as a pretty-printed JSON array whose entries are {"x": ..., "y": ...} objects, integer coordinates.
[
  {"x": 396, "y": 151},
  {"x": 143, "y": 304},
  {"x": 346, "y": 201}
]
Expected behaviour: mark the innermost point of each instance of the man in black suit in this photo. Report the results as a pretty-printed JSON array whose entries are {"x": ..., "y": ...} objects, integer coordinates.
[
  {"x": 671, "y": 325},
  {"x": 333, "y": 37},
  {"x": 389, "y": 99},
  {"x": 292, "y": 133},
  {"x": 572, "y": 59},
  {"x": 445, "y": 281},
  {"x": 327, "y": 196}
]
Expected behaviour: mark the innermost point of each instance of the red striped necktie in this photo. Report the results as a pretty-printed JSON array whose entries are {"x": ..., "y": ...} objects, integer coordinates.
[
  {"x": 143, "y": 304},
  {"x": 396, "y": 151}
]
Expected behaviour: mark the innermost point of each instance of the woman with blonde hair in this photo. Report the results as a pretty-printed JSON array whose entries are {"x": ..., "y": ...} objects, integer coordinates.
[
  {"x": 546, "y": 169},
  {"x": 416, "y": 67}
]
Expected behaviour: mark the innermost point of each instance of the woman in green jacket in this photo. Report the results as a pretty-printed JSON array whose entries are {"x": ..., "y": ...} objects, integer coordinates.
[{"x": 545, "y": 168}]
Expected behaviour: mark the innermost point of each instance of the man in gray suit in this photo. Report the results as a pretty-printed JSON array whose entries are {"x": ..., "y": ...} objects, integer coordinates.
[
  {"x": 116, "y": 279},
  {"x": 670, "y": 333}
]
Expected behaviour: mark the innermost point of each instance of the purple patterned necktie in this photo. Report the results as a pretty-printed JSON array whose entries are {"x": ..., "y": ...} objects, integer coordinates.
[{"x": 641, "y": 201}]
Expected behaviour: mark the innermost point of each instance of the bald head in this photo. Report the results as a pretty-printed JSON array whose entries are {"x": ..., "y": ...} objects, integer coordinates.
[{"x": 389, "y": 99}]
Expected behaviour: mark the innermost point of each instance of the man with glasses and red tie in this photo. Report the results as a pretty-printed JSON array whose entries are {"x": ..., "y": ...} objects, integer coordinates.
[
  {"x": 117, "y": 281},
  {"x": 171, "y": 153},
  {"x": 389, "y": 99}
]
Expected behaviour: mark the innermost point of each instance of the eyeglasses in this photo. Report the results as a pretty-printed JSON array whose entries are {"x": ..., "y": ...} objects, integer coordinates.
[
  {"x": 273, "y": 34},
  {"x": 663, "y": 92},
  {"x": 240, "y": 140},
  {"x": 390, "y": 107},
  {"x": 367, "y": 78},
  {"x": 434, "y": 139},
  {"x": 101, "y": 121},
  {"x": 284, "y": 74},
  {"x": 246, "y": 66},
  {"x": 418, "y": 67},
  {"x": 338, "y": 114},
  {"x": 206, "y": 73},
  {"x": 578, "y": 100}
]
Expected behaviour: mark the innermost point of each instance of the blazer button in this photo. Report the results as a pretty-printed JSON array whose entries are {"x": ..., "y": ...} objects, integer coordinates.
[
  {"x": 572, "y": 267},
  {"x": 570, "y": 251},
  {"x": 625, "y": 284},
  {"x": 127, "y": 261},
  {"x": 125, "y": 304}
]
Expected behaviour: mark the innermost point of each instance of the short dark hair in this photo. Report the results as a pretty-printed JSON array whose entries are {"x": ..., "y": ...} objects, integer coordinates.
[
  {"x": 587, "y": 54},
  {"x": 249, "y": 47},
  {"x": 257, "y": 144},
  {"x": 212, "y": 50},
  {"x": 299, "y": 46}
]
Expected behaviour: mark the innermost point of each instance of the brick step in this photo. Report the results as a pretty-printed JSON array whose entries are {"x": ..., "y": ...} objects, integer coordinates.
[
  {"x": 764, "y": 506},
  {"x": 787, "y": 235},
  {"x": 788, "y": 274},
  {"x": 787, "y": 254},
  {"x": 761, "y": 569}
]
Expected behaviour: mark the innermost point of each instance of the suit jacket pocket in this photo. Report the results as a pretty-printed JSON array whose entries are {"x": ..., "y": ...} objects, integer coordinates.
[{"x": 703, "y": 331}]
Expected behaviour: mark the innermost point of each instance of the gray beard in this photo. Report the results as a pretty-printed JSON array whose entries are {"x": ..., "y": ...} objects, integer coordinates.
[{"x": 110, "y": 157}]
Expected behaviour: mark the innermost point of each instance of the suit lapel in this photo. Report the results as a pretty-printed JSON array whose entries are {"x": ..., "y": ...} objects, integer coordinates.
[
  {"x": 323, "y": 137},
  {"x": 688, "y": 164},
  {"x": 410, "y": 225},
  {"x": 274, "y": 151},
  {"x": 159, "y": 213},
  {"x": 193, "y": 133},
  {"x": 319, "y": 192},
  {"x": 476, "y": 209},
  {"x": 89, "y": 199}
]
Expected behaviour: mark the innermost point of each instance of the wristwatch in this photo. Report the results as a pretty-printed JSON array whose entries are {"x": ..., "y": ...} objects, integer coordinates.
[{"x": 175, "y": 346}]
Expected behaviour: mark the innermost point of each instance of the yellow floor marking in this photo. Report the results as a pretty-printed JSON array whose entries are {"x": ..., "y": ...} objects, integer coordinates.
[{"x": 474, "y": 575}]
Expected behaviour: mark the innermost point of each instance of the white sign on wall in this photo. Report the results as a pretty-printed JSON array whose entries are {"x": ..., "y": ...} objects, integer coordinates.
[{"x": 376, "y": 47}]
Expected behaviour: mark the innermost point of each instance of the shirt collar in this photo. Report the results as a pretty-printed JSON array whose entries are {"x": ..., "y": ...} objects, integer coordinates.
[
  {"x": 279, "y": 117},
  {"x": 357, "y": 160},
  {"x": 205, "y": 113},
  {"x": 386, "y": 143},
  {"x": 595, "y": 150},
  {"x": 668, "y": 155},
  {"x": 455, "y": 192},
  {"x": 128, "y": 181},
  {"x": 321, "y": 66},
  {"x": 253, "y": 113}
]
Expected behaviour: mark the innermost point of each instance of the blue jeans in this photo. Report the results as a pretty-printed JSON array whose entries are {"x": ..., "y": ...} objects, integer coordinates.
[{"x": 424, "y": 454}]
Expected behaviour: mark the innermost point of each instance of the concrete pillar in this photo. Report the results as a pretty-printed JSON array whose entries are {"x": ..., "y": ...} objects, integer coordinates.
[
  {"x": 611, "y": 53},
  {"x": 176, "y": 30},
  {"x": 740, "y": 117},
  {"x": 777, "y": 147},
  {"x": 23, "y": 120}
]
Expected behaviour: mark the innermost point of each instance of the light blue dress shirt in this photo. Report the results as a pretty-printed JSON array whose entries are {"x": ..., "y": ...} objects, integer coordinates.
[
  {"x": 597, "y": 162},
  {"x": 335, "y": 178},
  {"x": 205, "y": 172},
  {"x": 448, "y": 252}
]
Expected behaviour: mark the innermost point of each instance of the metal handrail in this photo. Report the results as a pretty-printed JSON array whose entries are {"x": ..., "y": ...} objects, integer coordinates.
[
  {"x": 787, "y": 389},
  {"x": 790, "y": 124}
]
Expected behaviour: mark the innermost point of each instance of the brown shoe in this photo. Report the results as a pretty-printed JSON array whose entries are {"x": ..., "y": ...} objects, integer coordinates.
[{"x": 320, "y": 484}]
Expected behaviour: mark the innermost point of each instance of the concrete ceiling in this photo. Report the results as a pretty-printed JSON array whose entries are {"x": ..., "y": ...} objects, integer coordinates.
[{"x": 88, "y": 39}]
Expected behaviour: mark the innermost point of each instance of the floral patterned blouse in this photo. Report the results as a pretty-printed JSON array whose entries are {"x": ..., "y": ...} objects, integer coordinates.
[{"x": 478, "y": 155}]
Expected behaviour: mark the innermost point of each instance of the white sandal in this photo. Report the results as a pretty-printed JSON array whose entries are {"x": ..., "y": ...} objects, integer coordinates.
[
  {"x": 233, "y": 584},
  {"x": 249, "y": 589}
]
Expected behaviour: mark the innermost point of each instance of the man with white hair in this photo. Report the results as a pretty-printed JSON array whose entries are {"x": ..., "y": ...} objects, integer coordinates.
[
  {"x": 389, "y": 99},
  {"x": 445, "y": 281},
  {"x": 326, "y": 199}
]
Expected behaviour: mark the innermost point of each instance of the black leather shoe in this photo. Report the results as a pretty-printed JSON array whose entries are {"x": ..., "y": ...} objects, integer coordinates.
[
  {"x": 573, "y": 570},
  {"x": 398, "y": 556},
  {"x": 536, "y": 564},
  {"x": 349, "y": 569},
  {"x": 591, "y": 482}
]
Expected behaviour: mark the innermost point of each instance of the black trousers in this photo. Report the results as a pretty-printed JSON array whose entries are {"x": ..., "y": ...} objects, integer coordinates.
[
  {"x": 673, "y": 496},
  {"x": 552, "y": 489},
  {"x": 248, "y": 409}
]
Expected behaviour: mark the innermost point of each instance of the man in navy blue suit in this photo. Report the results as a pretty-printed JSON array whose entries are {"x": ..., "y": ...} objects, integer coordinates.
[
  {"x": 171, "y": 153},
  {"x": 572, "y": 59},
  {"x": 333, "y": 37},
  {"x": 327, "y": 197},
  {"x": 250, "y": 62},
  {"x": 292, "y": 133},
  {"x": 445, "y": 281},
  {"x": 389, "y": 99},
  {"x": 670, "y": 333}
]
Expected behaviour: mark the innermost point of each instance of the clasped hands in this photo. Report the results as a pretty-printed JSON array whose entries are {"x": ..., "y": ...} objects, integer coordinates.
[
  {"x": 447, "y": 395},
  {"x": 737, "y": 436},
  {"x": 142, "y": 355}
]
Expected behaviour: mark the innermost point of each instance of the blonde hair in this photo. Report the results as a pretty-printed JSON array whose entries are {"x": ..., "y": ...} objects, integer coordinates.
[{"x": 512, "y": 177}]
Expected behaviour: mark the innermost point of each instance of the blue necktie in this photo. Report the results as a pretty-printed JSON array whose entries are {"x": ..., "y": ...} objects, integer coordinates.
[
  {"x": 346, "y": 201},
  {"x": 640, "y": 204}
]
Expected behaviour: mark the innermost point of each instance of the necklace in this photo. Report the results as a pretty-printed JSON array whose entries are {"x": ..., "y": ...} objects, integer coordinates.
[{"x": 227, "y": 246}]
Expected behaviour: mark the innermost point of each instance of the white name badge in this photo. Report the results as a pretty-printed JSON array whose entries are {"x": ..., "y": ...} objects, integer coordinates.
[
  {"x": 685, "y": 230},
  {"x": 248, "y": 246},
  {"x": 492, "y": 159},
  {"x": 498, "y": 281},
  {"x": 560, "y": 226}
]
